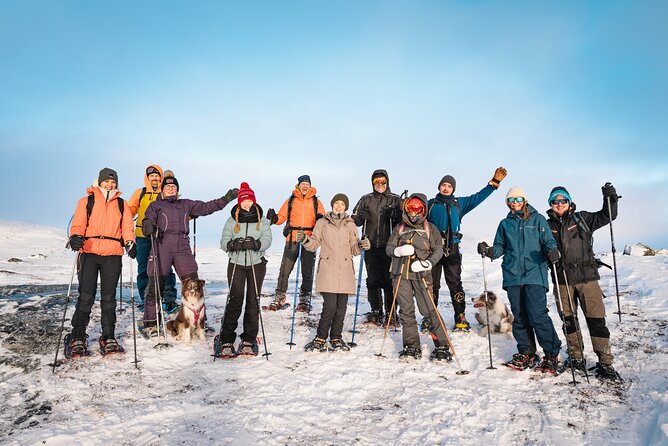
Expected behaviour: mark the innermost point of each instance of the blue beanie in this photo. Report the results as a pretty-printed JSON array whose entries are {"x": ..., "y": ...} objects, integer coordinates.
[
  {"x": 303, "y": 178},
  {"x": 559, "y": 190}
]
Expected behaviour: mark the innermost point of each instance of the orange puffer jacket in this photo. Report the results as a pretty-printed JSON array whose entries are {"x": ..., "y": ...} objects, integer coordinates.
[
  {"x": 302, "y": 212},
  {"x": 105, "y": 220}
]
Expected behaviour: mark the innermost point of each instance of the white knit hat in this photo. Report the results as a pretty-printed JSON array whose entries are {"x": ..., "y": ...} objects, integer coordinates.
[{"x": 515, "y": 192}]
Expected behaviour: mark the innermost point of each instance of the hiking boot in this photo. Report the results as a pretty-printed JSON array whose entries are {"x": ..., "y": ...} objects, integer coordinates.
[
  {"x": 374, "y": 317},
  {"x": 578, "y": 364},
  {"x": 278, "y": 303},
  {"x": 170, "y": 307},
  {"x": 317, "y": 344},
  {"x": 223, "y": 350},
  {"x": 551, "y": 365},
  {"x": 441, "y": 354},
  {"x": 304, "y": 306},
  {"x": 461, "y": 324},
  {"x": 425, "y": 324},
  {"x": 523, "y": 361},
  {"x": 394, "y": 323},
  {"x": 76, "y": 347},
  {"x": 338, "y": 345},
  {"x": 109, "y": 345},
  {"x": 410, "y": 353},
  {"x": 249, "y": 348},
  {"x": 606, "y": 372}
]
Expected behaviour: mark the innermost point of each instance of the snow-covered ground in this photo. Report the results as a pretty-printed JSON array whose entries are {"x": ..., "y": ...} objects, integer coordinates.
[{"x": 180, "y": 396}]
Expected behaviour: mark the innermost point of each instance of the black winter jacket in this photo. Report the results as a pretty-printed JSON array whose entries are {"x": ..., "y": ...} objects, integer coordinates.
[
  {"x": 575, "y": 244},
  {"x": 385, "y": 210}
]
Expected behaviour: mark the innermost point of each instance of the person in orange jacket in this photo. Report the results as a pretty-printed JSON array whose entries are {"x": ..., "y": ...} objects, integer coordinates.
[
  {"x": 101, "y": 229},
  {"x": 299, "y": 213},
  {"x": 139, "y": 202}
]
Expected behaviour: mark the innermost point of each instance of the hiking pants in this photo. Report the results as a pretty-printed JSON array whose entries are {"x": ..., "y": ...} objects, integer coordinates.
[
  {"x": 143, "y": 251},
  {"x": 333, "y": 312},
  {"x": 410, "y": 289},
  {"x": 288, "y": 261},
  {"x": 378, "y": 281},
  {"x": 242, "y": 278},
  {"x": 529, "y": 306},
  {"x": 451, "y": 267}
]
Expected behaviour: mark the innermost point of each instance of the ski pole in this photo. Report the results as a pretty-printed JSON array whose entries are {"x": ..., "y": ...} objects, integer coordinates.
[
  {"x": 230, "y": 280},
  {"x": 357, "y": 299},
  {"x": 195, "y": 237},
  {"x": 489, "y": 331},
  {"x": 389, "y": 318},
  {"x": 160, "y": 318},
  {"x": 574, "y": 312},
  {"x": 67, "y": 302},
  {"x": 563, "y": 318},
  {"x": 259, "y": 312},
  {"x": 294, "y": 302},
  {"x": 614, "y": 257},
  {"x": 134, "y": 323},
  {"x": 120, "y": 289},
  {"x": 445, "y": 330}
]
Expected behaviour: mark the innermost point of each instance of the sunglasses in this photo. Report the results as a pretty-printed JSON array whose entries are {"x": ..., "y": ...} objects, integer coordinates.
[
  {"x": 559, "y": 201},
  {"x": 516, "y": 199},
  {"x": 380, "y": 181}
]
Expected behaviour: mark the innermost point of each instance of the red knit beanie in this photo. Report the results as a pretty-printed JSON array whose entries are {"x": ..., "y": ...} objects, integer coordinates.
[{"x": 246, "y": 193}]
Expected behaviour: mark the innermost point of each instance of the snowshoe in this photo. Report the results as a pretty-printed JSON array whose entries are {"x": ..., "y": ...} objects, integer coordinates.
[
  {"x": 441, "y": 354},
  {"x": 338, "y": 345},
  {"x": 523, "y": 361},
  {"x": 304, "y": 306},
  {"x": 316, "y": 344},
  {"x": 410, "y": 353},
  {"x": 223, "y": 350},
  {"x": 578, "y": 365},
  {"x": 462, "y": 324},
  {"x": 170, "y": 307},
  {"x": 75, "y": 348},
  {"x": 278, "y": 303},
  {"x": 394, "y": 323},
  {"x": 248, "y": 348},
  {"x": 109, "y": 346},
  {"x": 606, "y": 372},
  {"x": 374, "y": 317},
  {"x": 148, "y": 329},
  {"x": 551, "y": 364},
  {"x": 425, "y": 324}
]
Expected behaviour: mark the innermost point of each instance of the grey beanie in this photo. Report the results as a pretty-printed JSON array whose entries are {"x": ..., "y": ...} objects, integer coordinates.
[
  {"x": 448, "y": 179},
  {"x": 341, "y": 197},
  {"x": 107, "y": 174}
]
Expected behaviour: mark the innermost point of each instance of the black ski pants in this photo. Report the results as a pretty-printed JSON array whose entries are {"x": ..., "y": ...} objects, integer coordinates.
[
  {"x": 378, "y": 279},
  {"x": 109, "y": 269},
  {"x": 240, "y": 278},
  {"x": 290, "y": 254},
  {"x": 451, "y": 267},
  {"x": 333, "y": 313}
]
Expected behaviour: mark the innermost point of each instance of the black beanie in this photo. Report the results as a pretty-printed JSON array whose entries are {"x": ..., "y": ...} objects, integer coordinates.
[
  {"x": 170, "y": 180},
  {"x": 107, "y": 174},
  {"x": 341, "y": 197},
  {"x": 448, "y": 179}
]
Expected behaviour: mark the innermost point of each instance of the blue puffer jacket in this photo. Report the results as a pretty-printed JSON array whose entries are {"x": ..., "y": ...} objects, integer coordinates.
[
  {"x": 523, "y": 244},
  {"x": 438, "y": 213}
]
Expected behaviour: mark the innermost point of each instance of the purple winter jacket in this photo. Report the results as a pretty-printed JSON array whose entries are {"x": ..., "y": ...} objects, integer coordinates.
[{"x": 171, "y": 214}]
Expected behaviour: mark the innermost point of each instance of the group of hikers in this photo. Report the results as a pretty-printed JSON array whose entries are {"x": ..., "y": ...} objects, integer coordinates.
[{"x": 408, "y": 244}]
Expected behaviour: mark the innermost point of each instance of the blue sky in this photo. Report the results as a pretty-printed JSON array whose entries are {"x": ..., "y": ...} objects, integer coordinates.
[{"x": 569, "y": 93}]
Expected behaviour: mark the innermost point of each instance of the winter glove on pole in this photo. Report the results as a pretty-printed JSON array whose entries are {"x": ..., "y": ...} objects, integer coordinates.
[
  {"x": 499, "y": 174},
  {"x": 76, "y": 242},
  {"x": 235, "y": 245},
  {"x": 609, "y": 191},
  {"x": 231, "y": 195},
  {"x": 250, "y": 244},
  {"x": 421, "y": 265},
  {"x": 365, "y": 244},
  {"x": 131, "y": 249},
  {"x": 404, "y": 251},
  {"x": 271, "y": 216},
  {"x": 149, "y": 228},
  {"x": 485, "y": 250},
  {"x": 300, "y": 236},
  {"x": 553, "y": 256}
]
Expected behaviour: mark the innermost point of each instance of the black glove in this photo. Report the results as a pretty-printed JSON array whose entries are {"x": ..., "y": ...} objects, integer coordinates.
[
  {"x": 76, "y": 242},
  {"x": 553, "y": 255},
  {"x": 251, "y": 244},
  {"x": 231, "y": 194},
  {"x": 363, "y": 214},
  {"x": 485, "y": 250},
  {"x": 131, "y": 249},
  {"x": 609, "y": 191},
  {"x": 235, "y": 245},
  {"x": 271, "y": 216},
  {"x": 149, "y": 228}
]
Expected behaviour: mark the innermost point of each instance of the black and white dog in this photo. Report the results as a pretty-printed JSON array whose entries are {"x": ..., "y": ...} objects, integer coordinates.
[{"x": 500, "y": 318}]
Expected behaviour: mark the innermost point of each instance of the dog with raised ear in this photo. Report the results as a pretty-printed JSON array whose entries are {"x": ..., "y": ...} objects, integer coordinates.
[
  {"x": 189, "y": 321},
  {"x": 500, "y": 318}
]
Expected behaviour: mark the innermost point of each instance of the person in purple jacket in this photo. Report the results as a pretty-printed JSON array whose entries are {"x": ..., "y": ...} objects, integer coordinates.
[{"x": 167, "y": 222}]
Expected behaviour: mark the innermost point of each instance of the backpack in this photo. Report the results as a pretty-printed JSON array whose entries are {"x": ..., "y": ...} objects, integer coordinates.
[
  {"x": 448, "y": 235},
  {"x": 583, "y": 227},
  {"x": 89, "y": 210},
  {"x": 288, "y": 229}
]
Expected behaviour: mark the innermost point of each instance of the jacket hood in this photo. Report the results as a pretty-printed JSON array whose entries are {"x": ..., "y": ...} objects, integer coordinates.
[
  {"x": 423, "y": 199},
  {"x": 381, "y": 173},
  {"x": 147, "y": 183}
]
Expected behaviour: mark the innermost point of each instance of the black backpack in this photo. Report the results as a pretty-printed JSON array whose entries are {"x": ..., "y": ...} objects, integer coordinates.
[{"x": 89, "y": 210}]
